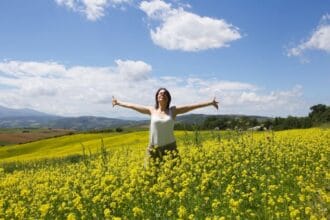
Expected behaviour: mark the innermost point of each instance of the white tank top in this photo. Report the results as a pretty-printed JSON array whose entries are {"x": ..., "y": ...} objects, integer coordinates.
[{"x": 161, "y": 129}]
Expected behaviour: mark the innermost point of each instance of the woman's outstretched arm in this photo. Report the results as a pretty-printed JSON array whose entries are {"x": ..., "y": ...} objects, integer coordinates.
[
  {"x": 187, "y": 108},
  {"x": 139, "y": 108}
]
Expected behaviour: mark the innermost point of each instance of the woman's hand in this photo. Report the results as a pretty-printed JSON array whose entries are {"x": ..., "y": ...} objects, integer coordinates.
[
  {"x": 114, "y": 101},
  {"x": 215, "y": 103}
]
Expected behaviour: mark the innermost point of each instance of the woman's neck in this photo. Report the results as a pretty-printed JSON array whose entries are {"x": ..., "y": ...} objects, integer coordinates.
[{"x": 162, "y": 108}]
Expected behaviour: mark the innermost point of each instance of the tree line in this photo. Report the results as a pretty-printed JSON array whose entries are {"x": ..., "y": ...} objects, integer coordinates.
[{"x": 319, "y": 114}]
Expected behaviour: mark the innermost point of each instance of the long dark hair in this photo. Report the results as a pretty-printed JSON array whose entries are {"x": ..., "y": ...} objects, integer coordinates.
[{"x": 167, "y": 93}]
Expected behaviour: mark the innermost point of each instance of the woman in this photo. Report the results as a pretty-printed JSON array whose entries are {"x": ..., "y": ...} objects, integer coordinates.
[{"x": 161, "y": 138}]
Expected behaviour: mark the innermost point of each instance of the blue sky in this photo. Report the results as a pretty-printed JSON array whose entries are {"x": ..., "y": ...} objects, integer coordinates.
[{"x": 69, "y": 57}]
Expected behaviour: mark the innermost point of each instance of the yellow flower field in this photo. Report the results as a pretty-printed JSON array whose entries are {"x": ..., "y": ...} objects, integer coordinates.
[{"x": 281, "y": 175}]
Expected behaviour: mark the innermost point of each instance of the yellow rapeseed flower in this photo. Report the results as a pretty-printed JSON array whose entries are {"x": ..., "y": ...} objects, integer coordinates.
[
  {"x": 107, "y": 213},
  {"x": 44, "y": 209},
  {"x": 182, "y": 212},
  {"x": 234, "y": 204},
  {"x": 71, "y": 216},
  {"x": 137, "y": 211}
]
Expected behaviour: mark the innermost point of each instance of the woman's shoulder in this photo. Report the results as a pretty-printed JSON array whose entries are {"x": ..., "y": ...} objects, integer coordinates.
[{"x": 152, "y": 110}]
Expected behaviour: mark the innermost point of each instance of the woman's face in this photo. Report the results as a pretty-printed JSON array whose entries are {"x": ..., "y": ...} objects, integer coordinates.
[{"x": 162, "y": 97}]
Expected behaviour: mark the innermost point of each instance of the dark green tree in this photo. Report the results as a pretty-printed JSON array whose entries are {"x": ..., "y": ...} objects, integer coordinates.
[{"x": 319, "y": 114}]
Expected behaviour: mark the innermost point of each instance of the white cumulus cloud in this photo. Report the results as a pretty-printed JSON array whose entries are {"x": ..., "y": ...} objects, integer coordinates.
[
  {"x": 183, "y": 30},
  {"x": 36, "y": 69},
  {"x": 319, "y": 39},
  {"x": 54, "y": 88},
  {"x": 137, "y": 70},
  {"x": 176, "y": 29}
]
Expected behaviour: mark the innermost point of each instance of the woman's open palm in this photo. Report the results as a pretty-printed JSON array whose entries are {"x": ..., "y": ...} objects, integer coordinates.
[
  {"x": 215, "y": 103},
  {"x": 114, "y": 101}
]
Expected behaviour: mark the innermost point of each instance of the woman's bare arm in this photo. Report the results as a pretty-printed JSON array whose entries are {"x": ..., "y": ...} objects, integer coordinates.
[
  {"x": 186, "y": 108},
  {"x": 139, "y": 108}
]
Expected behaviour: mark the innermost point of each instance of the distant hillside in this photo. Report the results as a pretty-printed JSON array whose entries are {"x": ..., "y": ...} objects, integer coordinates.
[
  {"x": 91, "y": 123},
  {"x": 10, "y": 112},
  {"x": 28, "y": 118},
  {"x": 27, "y": 121},
  {"x": 72, "y": 123}
]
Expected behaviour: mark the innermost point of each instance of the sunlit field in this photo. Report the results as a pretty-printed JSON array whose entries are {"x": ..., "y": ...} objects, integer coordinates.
[{"x": 252, "y": 175}]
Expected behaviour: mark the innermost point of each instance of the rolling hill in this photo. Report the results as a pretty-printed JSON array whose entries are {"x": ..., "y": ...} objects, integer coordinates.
[{"x": 28, "y": 118}]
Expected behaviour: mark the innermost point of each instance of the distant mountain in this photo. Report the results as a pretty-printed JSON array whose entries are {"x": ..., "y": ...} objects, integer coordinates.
[
  {"x": 23, "y": 118},
  {"x": 91, "y": 123},
  {"x": 10, "y": 112}
]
